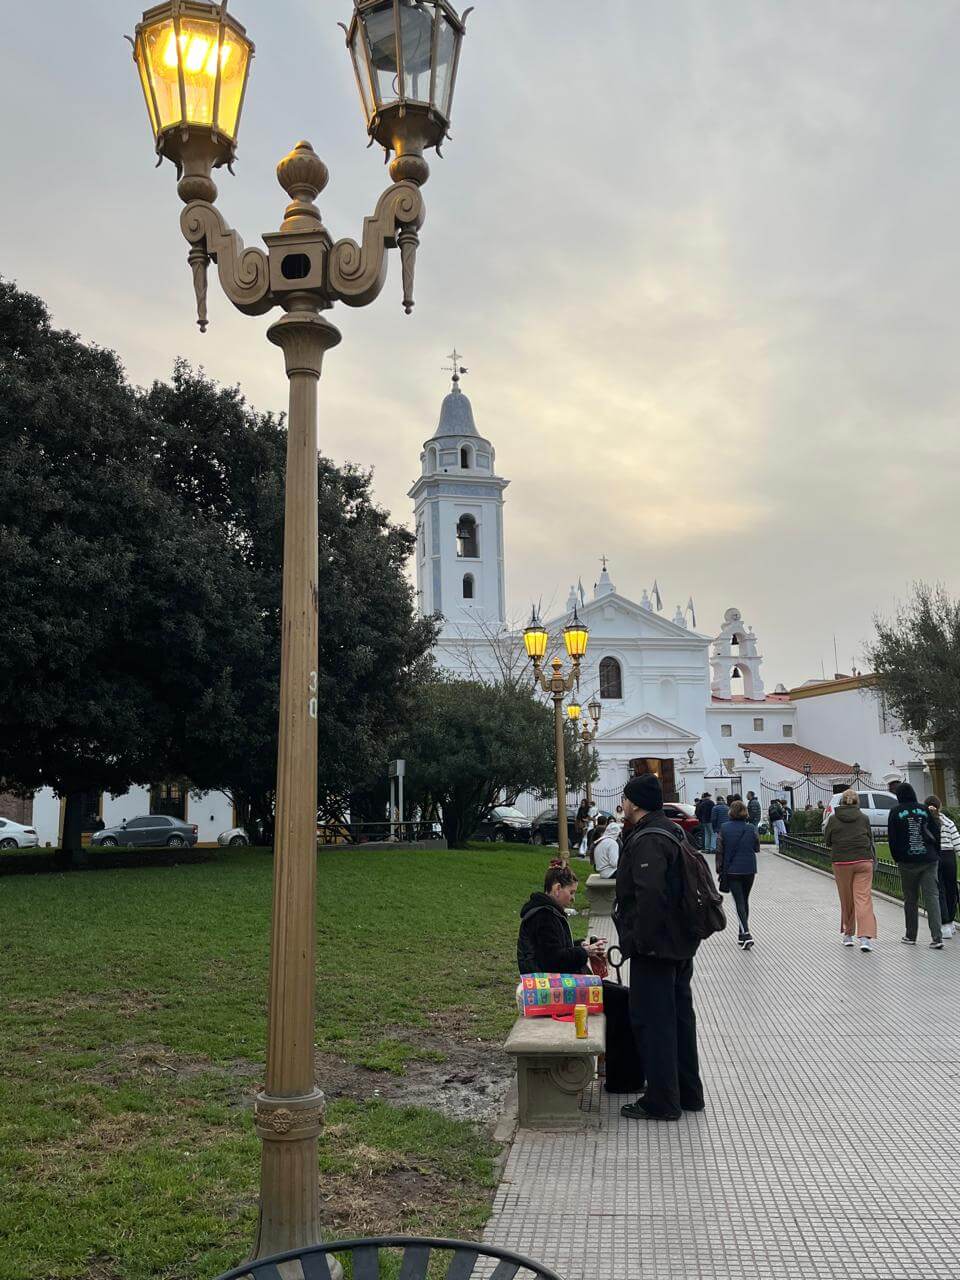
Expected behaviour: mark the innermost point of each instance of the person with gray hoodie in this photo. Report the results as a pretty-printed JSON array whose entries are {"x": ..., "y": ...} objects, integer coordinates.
[{"x": 850, "y": 841}]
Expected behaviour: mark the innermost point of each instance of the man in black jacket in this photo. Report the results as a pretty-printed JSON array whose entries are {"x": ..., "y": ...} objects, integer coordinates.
[
  {"x": 656, "y": 938},
  {"x": 545, "y": 943}
]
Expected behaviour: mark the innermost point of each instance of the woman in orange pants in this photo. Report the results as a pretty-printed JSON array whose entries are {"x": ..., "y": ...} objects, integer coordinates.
[{"x": 850, "y": 841}]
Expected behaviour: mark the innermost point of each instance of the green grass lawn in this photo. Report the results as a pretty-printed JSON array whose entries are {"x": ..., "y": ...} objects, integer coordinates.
[{"x": 132, "y": 1037}]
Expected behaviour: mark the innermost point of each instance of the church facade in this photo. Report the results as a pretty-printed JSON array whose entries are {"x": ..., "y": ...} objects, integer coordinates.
[{"x": 687, "y": 705}]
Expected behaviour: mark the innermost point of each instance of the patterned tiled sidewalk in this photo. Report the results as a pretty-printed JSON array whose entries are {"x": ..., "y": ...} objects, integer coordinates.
[{"x": 830, "y": 1147}]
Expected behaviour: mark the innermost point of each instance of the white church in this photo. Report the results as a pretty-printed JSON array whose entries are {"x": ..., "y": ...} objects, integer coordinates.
[{"x": 689, "y": 706}]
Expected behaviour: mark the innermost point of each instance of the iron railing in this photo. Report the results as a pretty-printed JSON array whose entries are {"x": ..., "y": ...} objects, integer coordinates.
[
  {"x": 366, "y": 832},
  {"x": 811, "y": 850}
]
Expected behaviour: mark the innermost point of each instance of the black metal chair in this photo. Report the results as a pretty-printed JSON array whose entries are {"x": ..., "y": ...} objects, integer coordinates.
[{"x": 365, "y": 1257}]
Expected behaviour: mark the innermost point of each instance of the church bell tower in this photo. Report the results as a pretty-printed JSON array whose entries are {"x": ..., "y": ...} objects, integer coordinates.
[{"x": 458, "y": 507}]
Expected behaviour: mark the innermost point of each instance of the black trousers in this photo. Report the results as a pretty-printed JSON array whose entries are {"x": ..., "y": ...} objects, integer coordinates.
[
  {"x": 740, "y": 887},
  {"x": 947, "y": 876},
  {"x": 665, "y": 1025}
]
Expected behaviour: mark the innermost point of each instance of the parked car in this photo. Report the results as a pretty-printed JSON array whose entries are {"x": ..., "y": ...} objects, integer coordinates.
[
  {"x": 684, "y": 815},
  {"x": 235, "y": 837},
  {"x": 14, "y": 835},
  {"x": 875, "y": 804},
  {"x": 545, "y": 827},
  {"x": 152, "y": 831},
  {"x": 506, "y": 824}
]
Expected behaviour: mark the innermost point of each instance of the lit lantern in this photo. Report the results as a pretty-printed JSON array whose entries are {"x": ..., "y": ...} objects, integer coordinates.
[
  {"x": 535, "y": 639},
  {"x": 193, "y": 59},
  {"x": 405, "y": 55},
  {"x": 575, "y": 637},
  {"x": 573, "y": 711}
]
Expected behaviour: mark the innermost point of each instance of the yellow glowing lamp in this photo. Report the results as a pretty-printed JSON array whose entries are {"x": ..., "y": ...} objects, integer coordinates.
[
  {"x": 535, "y": 638},
  {"x": 573, "y": 711},
  {"x": 575, "y": 637},
  {"x": 193, "y": 59}
]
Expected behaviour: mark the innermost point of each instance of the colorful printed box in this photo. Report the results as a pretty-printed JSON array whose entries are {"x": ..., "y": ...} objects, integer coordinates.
[{"x": 543, "y": 995}]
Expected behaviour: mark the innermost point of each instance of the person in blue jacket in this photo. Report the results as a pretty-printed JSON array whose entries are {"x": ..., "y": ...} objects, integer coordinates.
[{"x": 737, "y": 850}]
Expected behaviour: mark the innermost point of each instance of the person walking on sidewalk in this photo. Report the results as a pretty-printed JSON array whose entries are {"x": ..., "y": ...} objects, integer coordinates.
[
  {"x": 737, "y": 865},
  {"x": 718, "y": 816},
  {"x": 703, "y": 813},
  {"x": 947, "y": 867},
  {"x": 656, "y": 938},
  {"x": 913, "y": 847},
  {"x": 852, "y": 851},
  {"x": 778, "y": 821},
  {"x": 753, "y": 809}
]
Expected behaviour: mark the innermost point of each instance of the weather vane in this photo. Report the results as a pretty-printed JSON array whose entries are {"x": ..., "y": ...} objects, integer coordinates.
[{"x": 455, "y": 367}]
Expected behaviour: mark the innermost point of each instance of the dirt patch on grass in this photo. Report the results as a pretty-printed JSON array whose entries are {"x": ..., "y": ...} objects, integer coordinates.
[
  {"x": 131, "y": 1062},
  {"x": 459, "y": 1076},
  {"x": 388, "y": 1202},
  {"x": 126, "y": 1004}
]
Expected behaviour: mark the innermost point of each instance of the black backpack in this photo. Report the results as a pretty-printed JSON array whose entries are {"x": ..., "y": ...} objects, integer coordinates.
[{"x": 700, "y": 901}]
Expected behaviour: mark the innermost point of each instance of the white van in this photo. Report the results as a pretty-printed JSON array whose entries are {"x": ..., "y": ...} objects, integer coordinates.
[{"x": 875, "y": 804}]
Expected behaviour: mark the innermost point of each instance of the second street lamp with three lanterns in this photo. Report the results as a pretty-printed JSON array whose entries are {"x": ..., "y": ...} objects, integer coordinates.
[{"x": 536, "y": 639}]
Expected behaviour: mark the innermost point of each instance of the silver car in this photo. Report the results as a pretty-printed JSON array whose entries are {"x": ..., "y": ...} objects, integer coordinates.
[{"x": 151, "y": 831}]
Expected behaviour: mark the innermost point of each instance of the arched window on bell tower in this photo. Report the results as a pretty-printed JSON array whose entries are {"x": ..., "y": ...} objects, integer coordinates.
[
  {"x": 468, "y": 586},
  {"x": 466, "y": 457},
  {"x": 468, "y": 538}
]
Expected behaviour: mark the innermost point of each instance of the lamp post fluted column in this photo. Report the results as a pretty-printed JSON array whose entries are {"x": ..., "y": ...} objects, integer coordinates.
[{"x": 289, "y": 1111}]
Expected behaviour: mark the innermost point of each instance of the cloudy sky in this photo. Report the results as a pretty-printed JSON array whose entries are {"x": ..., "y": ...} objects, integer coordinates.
[{"x": 700, "y": 256}]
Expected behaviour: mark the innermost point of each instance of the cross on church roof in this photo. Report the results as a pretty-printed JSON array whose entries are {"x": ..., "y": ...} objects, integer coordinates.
[
  {"x": 603, "y": 561},
  {"x": 455, "y": 367}
]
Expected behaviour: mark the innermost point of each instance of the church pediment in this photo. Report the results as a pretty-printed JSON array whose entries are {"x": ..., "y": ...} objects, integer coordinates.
[
  {"x": 613, "y": 615},
  {"x": 649, "y": 726}
]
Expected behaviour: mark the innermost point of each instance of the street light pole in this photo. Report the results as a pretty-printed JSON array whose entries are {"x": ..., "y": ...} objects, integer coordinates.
[
  {"x": 535, "y": 639},
  {"x": 193, "y": 61}
]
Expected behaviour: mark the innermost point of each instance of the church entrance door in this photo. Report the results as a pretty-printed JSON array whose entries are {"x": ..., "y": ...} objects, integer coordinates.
[{"x": 665, "y": 771}]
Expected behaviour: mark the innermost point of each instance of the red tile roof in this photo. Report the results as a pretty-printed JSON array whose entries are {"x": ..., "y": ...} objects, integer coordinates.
[{"x": 793, "y": 757}]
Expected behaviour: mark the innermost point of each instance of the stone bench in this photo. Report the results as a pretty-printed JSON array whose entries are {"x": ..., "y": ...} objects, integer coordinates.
[
  {"x": 553, "y": 1069},
  {"x": 601, "y": 895}
]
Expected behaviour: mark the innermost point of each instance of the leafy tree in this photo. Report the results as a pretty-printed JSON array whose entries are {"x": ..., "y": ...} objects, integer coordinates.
[
  {"x": 226, "y": 464},
  {"x": 468, "y": 742},
  {"x": 140, "y": 553},
  {"x": 916, "y": 657},
  {"x": 115, "y": 607}
]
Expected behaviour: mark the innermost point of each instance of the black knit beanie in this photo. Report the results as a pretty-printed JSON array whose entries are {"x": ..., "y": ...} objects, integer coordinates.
[{"x": 645, "y": 792}]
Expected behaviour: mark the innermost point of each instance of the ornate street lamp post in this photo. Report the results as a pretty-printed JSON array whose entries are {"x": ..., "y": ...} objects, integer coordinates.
[
  {"x": 536, "y": 639},
  {"x": 586, "y": 733},
  {"x": 807, "y": 770},
  {"x": 193, "y": 59}
]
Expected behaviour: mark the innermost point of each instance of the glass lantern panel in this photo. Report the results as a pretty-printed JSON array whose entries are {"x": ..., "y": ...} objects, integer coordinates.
[
  {"x": 358, "y": 53},
  {"x": 382, "y": 44},
  {"x": 160, "y": 47},
  {"x": 416, "y": 34},
  {"x": 142, "y": 67},
  {"x": 446, "y": 52},
  {"x": 234, "y": 56}
]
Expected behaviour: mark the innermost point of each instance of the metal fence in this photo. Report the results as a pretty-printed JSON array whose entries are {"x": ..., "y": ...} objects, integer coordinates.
[
  {"x": 370, "y": 832},
  {"x": 811, "y": 850}
]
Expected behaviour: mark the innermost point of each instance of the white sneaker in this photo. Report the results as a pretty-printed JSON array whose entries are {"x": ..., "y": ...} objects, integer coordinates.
[
  {"x": 848, "y": 939},
  {"x": 866, "y": 944}
]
